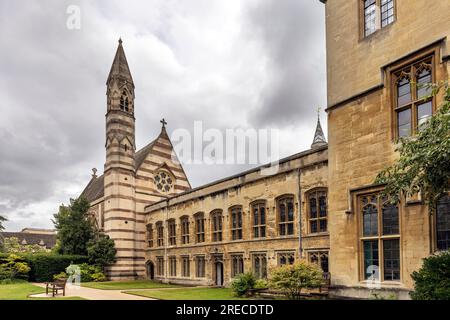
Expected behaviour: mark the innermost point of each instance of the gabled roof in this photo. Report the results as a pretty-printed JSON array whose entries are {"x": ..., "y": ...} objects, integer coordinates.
[{"x": 95, "y": 189}]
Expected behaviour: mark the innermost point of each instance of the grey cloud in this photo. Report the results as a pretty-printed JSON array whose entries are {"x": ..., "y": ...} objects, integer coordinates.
[
  {"x": 185, "y": 67},
  {"x": 292, "y": 34}
]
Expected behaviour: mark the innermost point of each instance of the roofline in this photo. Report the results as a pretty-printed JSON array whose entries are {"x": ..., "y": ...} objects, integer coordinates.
[{"x": 243, "y": 173}]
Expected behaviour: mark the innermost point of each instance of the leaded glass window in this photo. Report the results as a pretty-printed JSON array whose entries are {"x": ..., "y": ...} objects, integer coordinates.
[
  {"x": 260, "y": 265},
  {"x": 413, "y": 103},
  {"x": 317, "y": 214},
  {"x": 185, "y": 230},
  {"x": 216, "y": 224},
  {"x": 286, "y": 216},
  {"x": 380, "y": 236},
  {"x": 199, "y": 227},
  {"x": 200, "y": 266},
  {"x": 160, "y": 233},
  {"x": 237, "y": 264},
  {"x": 286, "y": 258},
  {"x": 172, "y": 232},
  {"x": 443, "y": 224},
  {"x": 236, "y": 223},
  {"x": 259, "y": 220}
]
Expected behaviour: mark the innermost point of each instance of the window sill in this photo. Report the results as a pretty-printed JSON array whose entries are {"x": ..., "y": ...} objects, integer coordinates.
[
  {"x": 378, "y": 33},
  {"x": 316, "y": 234}
]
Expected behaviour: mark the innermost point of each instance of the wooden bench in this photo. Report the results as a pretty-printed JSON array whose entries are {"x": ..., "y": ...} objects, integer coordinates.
[{"x": 58, "y": 284}]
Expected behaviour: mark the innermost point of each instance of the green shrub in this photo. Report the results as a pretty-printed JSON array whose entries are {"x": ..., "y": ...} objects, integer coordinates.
[
  {"x": 432, "y": 281},
  {"x": 98, "y": 277},
  {"x": 61, "y": 275},
  {"x": 5, "y": 273},
  {"x": 13, "y": 267},
  {"x": 261, "y": 284},
  {"x": 90, "y": 273},
  {"x": 292, "y": 279},
  {"x": 45, "y": 265},
  {"x": 243, "y": 283}
]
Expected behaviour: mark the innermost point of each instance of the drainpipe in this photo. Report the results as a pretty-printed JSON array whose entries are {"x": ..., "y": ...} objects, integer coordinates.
[
  {"x": 166, "y": 240},
  {"x": 299, "y": 197}
]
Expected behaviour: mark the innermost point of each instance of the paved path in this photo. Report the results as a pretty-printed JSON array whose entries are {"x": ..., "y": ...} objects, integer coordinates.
[{"x": 92, "y": 294}]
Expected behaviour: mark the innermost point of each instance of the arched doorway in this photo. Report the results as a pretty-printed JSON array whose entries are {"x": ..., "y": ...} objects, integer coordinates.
[
  {"x": 219, "y": 274},
  {"x": 150, "y": 270}
]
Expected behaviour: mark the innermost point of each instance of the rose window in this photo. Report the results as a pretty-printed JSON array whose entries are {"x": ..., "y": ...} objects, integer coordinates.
[{"x": 163, "y": 181}]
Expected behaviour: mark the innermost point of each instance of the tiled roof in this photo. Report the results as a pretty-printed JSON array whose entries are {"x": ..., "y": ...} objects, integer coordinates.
[
  {"x": 95, "y": 189},
  {"x": 47, "y": 240}
]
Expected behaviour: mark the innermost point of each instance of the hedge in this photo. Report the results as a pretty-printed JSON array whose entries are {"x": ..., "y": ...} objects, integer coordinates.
[{"x": 45, "y": 265}]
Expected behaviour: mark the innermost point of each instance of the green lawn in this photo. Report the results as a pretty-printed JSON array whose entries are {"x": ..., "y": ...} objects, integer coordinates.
[
  {"x": 20, "y": 290},
  {"x": 126, "y": 285},
  {"x": 188, "y": 294}
]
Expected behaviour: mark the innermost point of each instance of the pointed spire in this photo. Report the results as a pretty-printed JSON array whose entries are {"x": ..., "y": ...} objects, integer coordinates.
[
  {"x": 319, "y": 137},
  {"x": 119, "y": 68}
]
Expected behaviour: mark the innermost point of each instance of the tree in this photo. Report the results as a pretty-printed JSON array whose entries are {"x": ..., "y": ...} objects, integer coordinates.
[
  {"x": 292, "y": 279},
  {"x": 424, "y": 162},
  {"x": 74, "y": 227},
  {"x": 101, "y": 251},
  {"x": 2, "y": 219},
  {"x": 432, "y": 281}
]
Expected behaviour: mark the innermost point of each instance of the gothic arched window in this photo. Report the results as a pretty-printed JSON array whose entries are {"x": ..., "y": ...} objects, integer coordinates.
[
  {"x": 286, "y": 215},
  {"x": 124, "y": 102},
  {"x": 216, "y": 225},
  {"x": 317, "y": 210}
]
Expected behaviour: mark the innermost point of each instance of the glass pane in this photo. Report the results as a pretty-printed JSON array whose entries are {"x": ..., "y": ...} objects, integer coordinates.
[
  {"x": 404, "y": 123},
  {"x": 403, "y": 92},
  {"x": 424, "y": 112},
  {"x": 369, "y": 17},
  {"x": 290, "y": 208},
  {"x": 282, "y": 229},
  {"x": 323, "y": 225},
  {"x": 370, "y": 220},
  {"x": 282, "y": 213},
  {"x": 313, "y": 226},
  {"x": 262, "y": 211},
  {"x": 443, "y": 223},
  {"x": 390, "y": 220},
  {"x": 391, "y": 253},
  {"x": 290, "y": 229},
  {"x": 323, "y": 206},
  {"x": 423, "y": 78},
  {"x": 371, "y": 263},
  {"x": 324, "y": 262},
  {"x": 255, "y": 216},
  {"x": 312, "y": 207}
]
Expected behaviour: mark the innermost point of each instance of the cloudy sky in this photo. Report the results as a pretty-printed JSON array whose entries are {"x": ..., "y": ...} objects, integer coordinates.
[{"x": 229, "y": 63}]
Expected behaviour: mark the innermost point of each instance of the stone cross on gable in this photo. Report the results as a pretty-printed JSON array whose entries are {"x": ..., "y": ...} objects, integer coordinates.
[{"x": 163, "y": 122}]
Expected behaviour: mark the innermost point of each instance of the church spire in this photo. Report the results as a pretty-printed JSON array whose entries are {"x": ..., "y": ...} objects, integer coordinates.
[
  {"x": 119, "y": 68},
  {"x": 319, "y": 138}
]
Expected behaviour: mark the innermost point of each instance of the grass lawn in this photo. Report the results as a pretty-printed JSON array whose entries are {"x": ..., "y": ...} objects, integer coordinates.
[
  {"x": 20, "y": 290},
  {"x": 126, "y": 285},
  {"x": 188, "y": 294}
]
